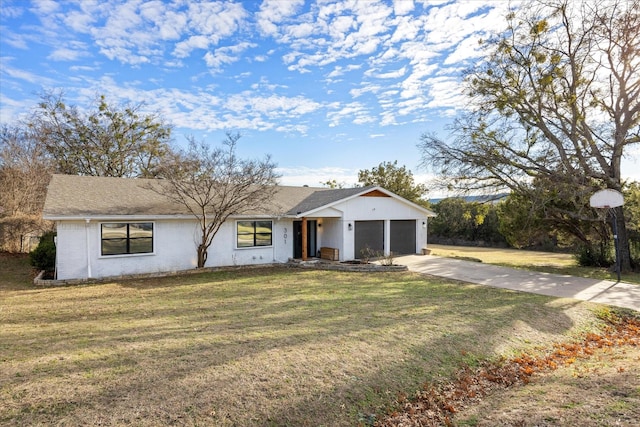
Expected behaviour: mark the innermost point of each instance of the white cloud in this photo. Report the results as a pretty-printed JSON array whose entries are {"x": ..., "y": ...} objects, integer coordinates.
[
  {"x": 226, "y": 55},
  {"x": 340, "y": 70},
  {"x": 80, "y": 21},
  {"x": 355, "y": 112},
  {"x": 369, "y": 88},
  {"x": 315, "y": 177},
  {"x": 406, "y": 28},
  {"x": 11, "y": 12},
  {"x": 13, "y": 109},
  {"x": 184, "y": 48},
  {"x": 402, "y": 7},
  {"x": 16, "y": 40},
  {"x": 215, "y": 20},
  {"x": 393, "y": 74},
  {"x": 273, "y": 12},
  {"x": 64, "y": 54},
  {"x": 26, "y": 76},
  {"x": 45, "y": 7}
]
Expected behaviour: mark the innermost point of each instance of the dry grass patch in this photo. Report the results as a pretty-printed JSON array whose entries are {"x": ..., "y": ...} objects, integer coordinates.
[{"x": 257, "y": 347}]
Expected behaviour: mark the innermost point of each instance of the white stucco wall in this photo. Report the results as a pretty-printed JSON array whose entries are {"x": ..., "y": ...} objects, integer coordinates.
[
  {"x": 331, "y": 233},
  {"x": 78, "y": 249},
  {"x": 78, "y": 241}
]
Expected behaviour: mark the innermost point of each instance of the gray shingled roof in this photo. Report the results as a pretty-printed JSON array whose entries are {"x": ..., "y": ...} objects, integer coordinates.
[
  {"x": 323, "y": 197},
  {"x": 79, "y": 196}
]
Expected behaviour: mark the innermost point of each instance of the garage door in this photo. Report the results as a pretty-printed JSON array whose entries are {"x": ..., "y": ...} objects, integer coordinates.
[
  {"x": 369, "y": 234},
  {"x": 403, "y": 237}
]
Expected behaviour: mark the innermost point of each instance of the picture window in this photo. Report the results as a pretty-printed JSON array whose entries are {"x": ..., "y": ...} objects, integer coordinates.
[
  {"x": 118, "y": 238},
  {"x": 254, "y": 234}
]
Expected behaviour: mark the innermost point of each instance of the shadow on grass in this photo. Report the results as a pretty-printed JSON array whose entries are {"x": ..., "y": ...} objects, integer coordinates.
[{"x": 257, "y": 347}]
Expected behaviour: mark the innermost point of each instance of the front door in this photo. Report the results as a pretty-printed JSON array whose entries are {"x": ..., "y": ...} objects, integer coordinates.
[{"x": 311, "y": 238}]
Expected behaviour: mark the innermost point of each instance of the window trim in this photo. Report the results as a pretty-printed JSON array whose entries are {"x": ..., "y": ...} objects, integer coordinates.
[
  {"x": 254, "y": 221},
  {"x": 128, "y": 239}
]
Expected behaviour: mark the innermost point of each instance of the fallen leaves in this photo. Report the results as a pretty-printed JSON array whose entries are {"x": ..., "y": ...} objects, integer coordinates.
[{"x": 436, "y": 404}]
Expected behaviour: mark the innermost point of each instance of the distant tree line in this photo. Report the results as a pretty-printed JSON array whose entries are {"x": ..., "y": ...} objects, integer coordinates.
[{"x": 517, "y": 222}]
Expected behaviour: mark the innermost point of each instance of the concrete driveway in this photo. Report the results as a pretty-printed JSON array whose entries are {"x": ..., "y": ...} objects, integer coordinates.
[{"x": 601, "y": 291}]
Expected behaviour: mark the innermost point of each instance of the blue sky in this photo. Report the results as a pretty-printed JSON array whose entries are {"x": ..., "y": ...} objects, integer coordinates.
[{"x": 326, "y": 87}]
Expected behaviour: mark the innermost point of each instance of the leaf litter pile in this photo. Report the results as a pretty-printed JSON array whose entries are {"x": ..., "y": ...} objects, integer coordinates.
[{"x": 436, "y": 403}]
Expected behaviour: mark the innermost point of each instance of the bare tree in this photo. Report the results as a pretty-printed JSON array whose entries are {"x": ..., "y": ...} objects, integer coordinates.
[
  {"x": 214, "y": 184},
  {"x": 25, "y": 170},
  {"x": 557, "y": 102}
]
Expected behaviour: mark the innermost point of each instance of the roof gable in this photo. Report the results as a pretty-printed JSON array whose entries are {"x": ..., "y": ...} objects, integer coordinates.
[{"x": 317, "y": 202}]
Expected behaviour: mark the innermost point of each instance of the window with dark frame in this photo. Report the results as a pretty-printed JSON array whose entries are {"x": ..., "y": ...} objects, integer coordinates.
[
  {"x": 254, "y": 234},
  {"x": 120, "y": 238}
]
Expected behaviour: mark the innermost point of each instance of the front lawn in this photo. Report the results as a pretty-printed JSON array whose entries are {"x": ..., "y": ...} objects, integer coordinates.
[{"x": 272, "y": 346}]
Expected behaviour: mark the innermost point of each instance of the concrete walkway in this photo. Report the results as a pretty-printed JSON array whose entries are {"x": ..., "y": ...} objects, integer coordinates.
[{"x": 601, "y": 291}]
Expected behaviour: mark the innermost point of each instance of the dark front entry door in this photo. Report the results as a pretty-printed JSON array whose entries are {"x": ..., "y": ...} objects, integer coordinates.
[{"x": 311, "y": 238}]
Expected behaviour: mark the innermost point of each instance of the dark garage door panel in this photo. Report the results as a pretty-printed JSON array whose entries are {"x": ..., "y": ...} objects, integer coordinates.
[
  {"x": 403, "y": 237},
  {"x": 369, "y": 234}
]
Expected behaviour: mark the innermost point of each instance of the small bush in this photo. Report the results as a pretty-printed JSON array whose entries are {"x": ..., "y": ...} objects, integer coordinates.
[
  {"x": 591, "y": 256},
  {"x": 386, "y": 259},
  {"x": 366, "y": 254},
  {"x": 43, "y": 257}
]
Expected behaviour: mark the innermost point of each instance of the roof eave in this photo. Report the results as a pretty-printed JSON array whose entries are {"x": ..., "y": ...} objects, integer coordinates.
[{"x": 94, "y": 217}]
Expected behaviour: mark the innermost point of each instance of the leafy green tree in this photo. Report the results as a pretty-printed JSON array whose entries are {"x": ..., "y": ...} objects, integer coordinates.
[
  {"x": 521, "y": 223},
  {"x": 332, "y": 183},
  {"x": 556, "y": 100},
  {"x": 467, "y": 221},
  {"x": 396, "y": 179},
  {"x": 107, "y": 140}
]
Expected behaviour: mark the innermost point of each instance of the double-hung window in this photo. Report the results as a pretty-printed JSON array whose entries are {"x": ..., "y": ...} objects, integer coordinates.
[
  {"x": 254, "y": 233},
  {"x": 120, "y": 238}
]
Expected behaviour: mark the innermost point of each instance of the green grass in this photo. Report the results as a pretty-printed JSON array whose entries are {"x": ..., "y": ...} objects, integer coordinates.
[
  {"x": 547, "y": 262},
  {"x": 256, "y": 347}
]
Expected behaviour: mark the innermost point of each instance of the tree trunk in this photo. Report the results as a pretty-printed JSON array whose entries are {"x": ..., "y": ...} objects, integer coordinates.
[
  {"x": 202, "y": 255},
  {"x": 624, "y": 251}
]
